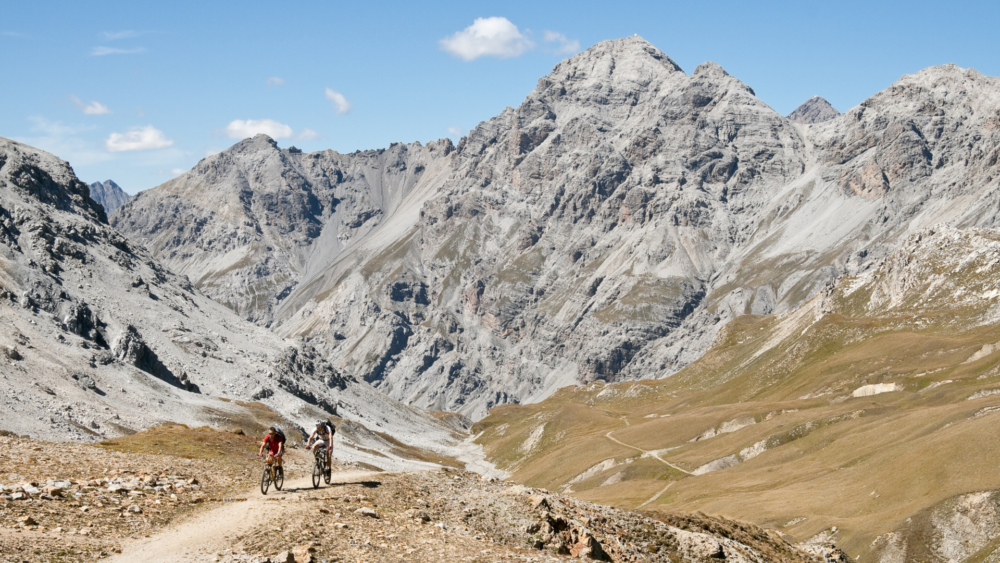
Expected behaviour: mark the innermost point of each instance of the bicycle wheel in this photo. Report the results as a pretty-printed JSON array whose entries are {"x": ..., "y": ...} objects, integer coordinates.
[
  {"x": 265, "y": 481},
  {"x": 279, "y": 477},
  {"x": 317, "y": 474},
  {"x": 326, "y": 473}
]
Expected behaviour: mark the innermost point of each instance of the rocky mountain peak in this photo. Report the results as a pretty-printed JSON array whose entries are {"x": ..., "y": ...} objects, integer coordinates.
[
  {"x": 633, "y": 48},
  {"x": 710, "y": 69},
  {"x": 948, "y": 87},
  {"x": 256, "y": 147},
  {"x": 710, "y": 81},
  {"x": 949, "y": 71},
  {"x": 813, "y": 110},
  {"x": 50, "y": 180},
  {"x": 237, "y": 163},
  {"x": 640, "y": 46},
  {"x": 109, "y": 194},
  {"x": 614, "y": 64},
  {"x": 939, "y": 125},
  {"x": 260, "y": 141}
]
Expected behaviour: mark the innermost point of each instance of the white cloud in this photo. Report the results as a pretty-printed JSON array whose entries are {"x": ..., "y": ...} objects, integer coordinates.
[
  {"x": 494, "y": 36},
  {"x": 115, "y": 35},
  {"x": 565, "y": 46},
  {"x": 93, "y": 108},
  {"x": 456, "y": 131},
  {"x": 101, "y": 51},
  {"x": 137, "y": 139},
  {"x": 275, "y": 81},
  {"x": 307, "y": 134},
  {"x": 177, "y": 171},
  {"x": 338, "y": 99},
  {"x": 240, "y": 129}
]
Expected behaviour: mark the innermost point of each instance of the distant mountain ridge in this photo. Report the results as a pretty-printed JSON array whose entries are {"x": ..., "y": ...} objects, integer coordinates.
[
  {"x": 270, "y": 215},
  {"x": 109, "y": 195},
  {"x": 606, "y": 229}
]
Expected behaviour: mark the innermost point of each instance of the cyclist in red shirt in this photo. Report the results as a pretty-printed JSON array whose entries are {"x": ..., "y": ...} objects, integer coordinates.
[{"x": 274, "y": 441}]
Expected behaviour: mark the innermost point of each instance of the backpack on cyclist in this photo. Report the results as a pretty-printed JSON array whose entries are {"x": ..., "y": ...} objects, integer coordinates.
[{"x": 280, "y": 433}]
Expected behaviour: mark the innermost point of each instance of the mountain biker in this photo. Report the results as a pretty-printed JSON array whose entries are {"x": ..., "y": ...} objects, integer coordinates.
[
  {"x": 274, "y": 440},
  {"x": 324, "y": 439}
]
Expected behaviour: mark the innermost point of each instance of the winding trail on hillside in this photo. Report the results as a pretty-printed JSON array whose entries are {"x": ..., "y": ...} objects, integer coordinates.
[
  {"x": 657, "y": 495},
  {"x": 651, "y": 454},
  {"x": 202, "y": 535}
]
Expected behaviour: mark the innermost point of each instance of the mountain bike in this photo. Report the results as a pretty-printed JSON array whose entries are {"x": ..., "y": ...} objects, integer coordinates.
[
  {"x": 273, "y": 473},
  {"x": 320, "y": 470}
]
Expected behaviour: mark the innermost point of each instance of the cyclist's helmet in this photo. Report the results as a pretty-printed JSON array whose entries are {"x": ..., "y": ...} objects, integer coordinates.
[{"x": 320, "y": 423}]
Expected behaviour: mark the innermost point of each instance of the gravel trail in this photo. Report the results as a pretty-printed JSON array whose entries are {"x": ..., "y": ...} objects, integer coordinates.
[{"x": 203, "y": 535}]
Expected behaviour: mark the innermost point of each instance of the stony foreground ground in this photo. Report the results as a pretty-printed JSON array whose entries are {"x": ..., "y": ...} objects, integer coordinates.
[{"x": 71, "y": 502}]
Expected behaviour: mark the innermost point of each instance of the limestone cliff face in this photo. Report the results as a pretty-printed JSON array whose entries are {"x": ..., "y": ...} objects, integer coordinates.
[{"x": 604, "y": 229}]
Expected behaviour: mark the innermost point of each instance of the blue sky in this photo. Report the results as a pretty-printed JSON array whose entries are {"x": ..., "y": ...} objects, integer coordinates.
[{"x": 139, "y": 93}]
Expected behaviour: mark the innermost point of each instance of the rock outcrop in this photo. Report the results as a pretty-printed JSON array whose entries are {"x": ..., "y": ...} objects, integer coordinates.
[
  {"x": 959, "y": 529},
  {"x": 603, "y": 230},
  {"x": 109, "y": 195},
  {"x": 813, "y": 110}
]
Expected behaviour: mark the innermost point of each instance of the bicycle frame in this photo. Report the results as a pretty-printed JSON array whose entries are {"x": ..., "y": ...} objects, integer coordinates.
[{"x": 273, "y": 473}]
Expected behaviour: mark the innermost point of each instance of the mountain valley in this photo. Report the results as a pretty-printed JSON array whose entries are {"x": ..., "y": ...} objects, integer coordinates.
[{"x": 641, "y": 316}]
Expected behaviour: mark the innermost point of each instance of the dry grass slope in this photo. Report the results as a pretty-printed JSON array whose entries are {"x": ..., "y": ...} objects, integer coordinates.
[{"x": 873, "y": 402}]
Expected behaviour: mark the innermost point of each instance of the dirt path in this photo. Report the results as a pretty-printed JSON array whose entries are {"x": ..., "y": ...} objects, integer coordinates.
[
  {"x": 652, "y": 454},
  {"x": 201, "y": 536},
  {"x": 657, "y": 495}
]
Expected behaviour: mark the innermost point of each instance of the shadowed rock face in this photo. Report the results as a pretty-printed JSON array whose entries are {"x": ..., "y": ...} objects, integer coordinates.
[
  {"x": 814, "y": 110},
  {"x": 604, "y": 229},
  {"x": 109, "y": 195}
]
